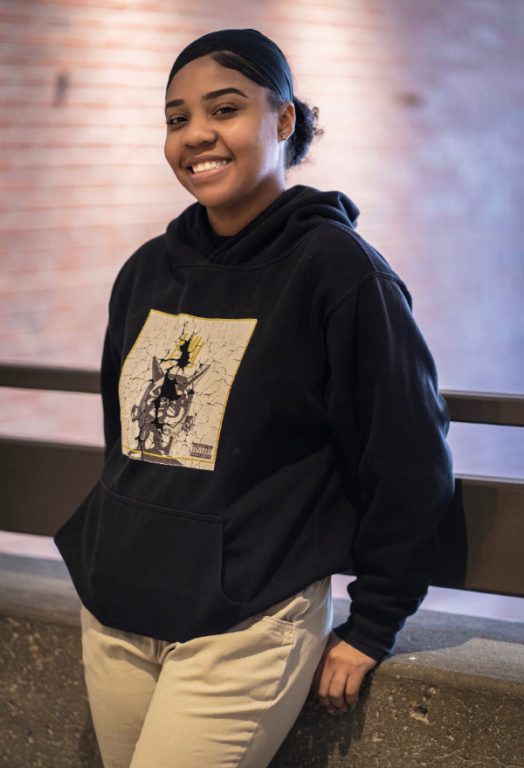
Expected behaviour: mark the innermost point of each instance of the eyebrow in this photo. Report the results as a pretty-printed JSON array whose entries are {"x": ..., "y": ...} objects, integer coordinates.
[{"x": 208, "y": 96}]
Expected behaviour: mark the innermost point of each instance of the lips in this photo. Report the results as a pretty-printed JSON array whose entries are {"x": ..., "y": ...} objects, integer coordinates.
[
  {"x": 200, "y": 160},
  {"x": 208, "y": 170},
  {"x": 208, "y": 165}
]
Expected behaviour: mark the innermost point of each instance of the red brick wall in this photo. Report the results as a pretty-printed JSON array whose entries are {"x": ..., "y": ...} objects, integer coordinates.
[{"x": 422, "y": 108}]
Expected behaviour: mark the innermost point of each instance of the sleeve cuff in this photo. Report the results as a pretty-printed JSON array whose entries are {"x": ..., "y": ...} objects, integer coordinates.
[{"x": 376, "y": 651}]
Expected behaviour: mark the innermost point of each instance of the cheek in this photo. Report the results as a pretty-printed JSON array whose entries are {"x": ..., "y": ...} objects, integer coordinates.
[
  {"x": 172, "y": 155},
  {"x": 169, "y": 150},
  {"x": 258, "y": 147},
  {"x": 268, "y": 140}
]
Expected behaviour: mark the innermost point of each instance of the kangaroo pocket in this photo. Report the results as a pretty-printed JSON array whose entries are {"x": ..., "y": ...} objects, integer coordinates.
[{"x": 147, "y": 569}]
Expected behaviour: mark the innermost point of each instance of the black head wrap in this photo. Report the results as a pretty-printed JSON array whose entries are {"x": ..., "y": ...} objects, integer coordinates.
[{"x": 259, "y": 50}]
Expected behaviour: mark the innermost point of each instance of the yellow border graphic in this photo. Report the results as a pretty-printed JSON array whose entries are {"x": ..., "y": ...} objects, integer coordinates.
[{"x": 186, "y": 461}]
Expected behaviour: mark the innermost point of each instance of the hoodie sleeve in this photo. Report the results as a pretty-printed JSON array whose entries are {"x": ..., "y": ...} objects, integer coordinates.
[
  {"x": 390, "y": 424},
  {"x": 110, "y": 368},
  {"x": 109, "y": 376}
]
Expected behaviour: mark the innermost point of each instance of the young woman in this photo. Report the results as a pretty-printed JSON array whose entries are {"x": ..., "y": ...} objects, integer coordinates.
[{"x": 272, "y": 417}]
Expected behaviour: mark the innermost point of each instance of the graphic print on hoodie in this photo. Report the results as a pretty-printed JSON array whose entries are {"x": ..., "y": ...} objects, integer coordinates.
[{"x": 175, "y": 384}]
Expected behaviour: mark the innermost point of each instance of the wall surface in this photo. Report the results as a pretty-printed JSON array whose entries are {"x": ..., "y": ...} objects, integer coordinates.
[{"x": 422, "y": 106}]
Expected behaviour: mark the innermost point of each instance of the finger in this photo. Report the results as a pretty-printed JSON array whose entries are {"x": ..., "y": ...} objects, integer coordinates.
[
  {"x": 337, "y": 691},
  {"x": 352, "y": 688},
  {"x": 323, "y": 689},
  {"x": 318, "y": 672}
]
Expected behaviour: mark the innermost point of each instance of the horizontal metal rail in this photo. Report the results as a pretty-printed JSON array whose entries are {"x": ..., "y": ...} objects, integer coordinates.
[
  {"x": 485, "y": 407},
  {"x": 43, "y": 482},
  {"x": 481, "y": 535},
  {"x": 472, "y": 407},
  {"x": 59, "y": 379}
]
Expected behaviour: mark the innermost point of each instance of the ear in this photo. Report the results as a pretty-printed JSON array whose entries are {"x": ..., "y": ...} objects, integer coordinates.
[{"x": 286, "y": 120}]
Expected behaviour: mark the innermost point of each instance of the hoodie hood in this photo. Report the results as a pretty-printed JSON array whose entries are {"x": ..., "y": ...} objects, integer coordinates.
[{"x": 273, "y": 232}]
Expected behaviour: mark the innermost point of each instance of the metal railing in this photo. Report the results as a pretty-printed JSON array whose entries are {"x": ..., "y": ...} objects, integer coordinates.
[
  {"x": 474, "y": 407},
  {"x": 481, "y": 535}
]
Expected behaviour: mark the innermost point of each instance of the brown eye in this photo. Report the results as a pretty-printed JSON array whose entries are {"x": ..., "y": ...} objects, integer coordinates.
[
  {"x": 225, "y": 111},
  {"x": 175, "y": 121}
]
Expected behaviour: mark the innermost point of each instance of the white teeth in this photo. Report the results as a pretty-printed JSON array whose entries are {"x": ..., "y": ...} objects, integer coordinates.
[{"x": 208, "y": 165}]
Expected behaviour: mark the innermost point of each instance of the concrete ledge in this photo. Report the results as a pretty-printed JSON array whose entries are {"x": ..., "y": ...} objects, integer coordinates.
[
  {"x": 451, "y": 696},
  {"x": 44, "y": 715}
]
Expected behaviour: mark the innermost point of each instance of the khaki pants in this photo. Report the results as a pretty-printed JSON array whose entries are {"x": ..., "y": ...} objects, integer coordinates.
[{"x": 221, "y": 701}]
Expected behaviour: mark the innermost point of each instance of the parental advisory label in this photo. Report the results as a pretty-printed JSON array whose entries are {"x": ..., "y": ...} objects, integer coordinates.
[{"x": 201, "y": 451}]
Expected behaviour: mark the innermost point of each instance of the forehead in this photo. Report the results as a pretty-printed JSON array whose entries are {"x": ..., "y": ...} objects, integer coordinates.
[{"x": 205, "y": 74}]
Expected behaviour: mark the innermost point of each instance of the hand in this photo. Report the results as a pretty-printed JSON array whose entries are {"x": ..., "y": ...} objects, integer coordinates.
[{"x": 339, "y": 675}]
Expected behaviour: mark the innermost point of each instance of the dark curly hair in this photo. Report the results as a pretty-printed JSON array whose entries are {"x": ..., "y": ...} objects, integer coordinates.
[{"x": 306, "y": 128}]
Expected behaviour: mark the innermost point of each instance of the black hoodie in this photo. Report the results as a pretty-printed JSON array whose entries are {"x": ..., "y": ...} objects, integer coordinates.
[{"x": 272, "y": 416}]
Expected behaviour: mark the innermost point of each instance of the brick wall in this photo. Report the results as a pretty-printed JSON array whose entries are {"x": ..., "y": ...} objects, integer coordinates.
[{"x": 422, "y": 107}]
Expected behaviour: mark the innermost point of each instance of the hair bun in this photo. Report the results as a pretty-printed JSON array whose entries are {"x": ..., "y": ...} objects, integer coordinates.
[{"x": 306, "y": 129}]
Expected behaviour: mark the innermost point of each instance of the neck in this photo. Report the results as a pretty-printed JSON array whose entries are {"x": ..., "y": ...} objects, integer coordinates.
[{"x": 229, "y": 221}]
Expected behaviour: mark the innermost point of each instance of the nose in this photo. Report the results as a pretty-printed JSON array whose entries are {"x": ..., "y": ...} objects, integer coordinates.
[{"x": 199, "y": 131}]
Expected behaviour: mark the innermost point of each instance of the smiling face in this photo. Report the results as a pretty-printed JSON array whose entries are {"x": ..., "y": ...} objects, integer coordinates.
[{"x": 223, "y": 142}]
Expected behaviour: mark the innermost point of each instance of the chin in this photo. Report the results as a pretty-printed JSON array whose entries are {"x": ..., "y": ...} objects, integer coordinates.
[{"x": 216, "y": 199}]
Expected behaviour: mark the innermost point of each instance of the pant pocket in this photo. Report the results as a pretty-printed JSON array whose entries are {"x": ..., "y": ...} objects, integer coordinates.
[
  {"x": 301, "y": 607},
  {"x": 147, "y": 569}
]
